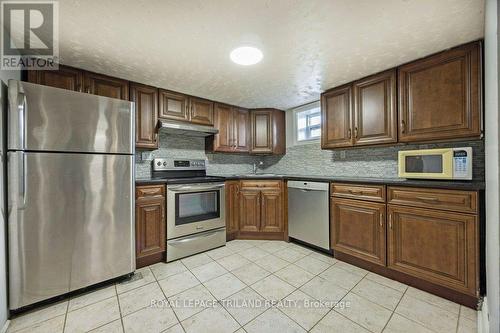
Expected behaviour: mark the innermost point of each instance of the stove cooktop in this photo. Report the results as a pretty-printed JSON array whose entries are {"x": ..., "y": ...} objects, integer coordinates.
[{"x": 190, "y": 180}]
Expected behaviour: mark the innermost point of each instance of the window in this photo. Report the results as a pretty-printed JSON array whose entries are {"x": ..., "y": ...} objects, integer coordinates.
[{"x": 308, "y": 123}]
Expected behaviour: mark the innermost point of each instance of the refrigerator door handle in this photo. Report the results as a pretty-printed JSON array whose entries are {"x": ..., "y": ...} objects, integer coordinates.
[{"x": 22, "y": 180}]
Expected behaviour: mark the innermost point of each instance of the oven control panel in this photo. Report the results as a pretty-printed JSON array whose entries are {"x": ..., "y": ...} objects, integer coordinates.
[{"x": 161, "y": 164}]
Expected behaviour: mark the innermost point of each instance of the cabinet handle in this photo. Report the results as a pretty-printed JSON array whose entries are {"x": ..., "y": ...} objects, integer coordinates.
[
  {"x": 356, "y": 132},
  {"x": 428, "y": 199},
  {"x": 349, "y": 133},
  {"x": 381, "y": 219},
  {"x": 237, "y": 190},
  {"x": 390, "y": 221},
  {"x": 403, "y": 127},
  {"x": 355, "y": 192}
]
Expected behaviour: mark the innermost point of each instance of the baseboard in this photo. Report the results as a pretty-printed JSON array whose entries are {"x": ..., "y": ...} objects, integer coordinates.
[
  {"x": 5, "y": 327},
  {"x": 483, "y": 324}
]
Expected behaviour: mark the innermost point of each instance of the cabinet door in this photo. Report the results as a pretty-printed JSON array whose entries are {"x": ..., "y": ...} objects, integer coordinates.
[
  {"x": 201, "y": 111},
  {"x": 358, "y": 229},
  {"x": 107, "y": 86},
  {"x": 440, "y": 96},
  {"x": 241, "y": 130},
  {"x": 375, "y": 109},
  {"x": 336, "y": 115},
  {"x": 173, "y": 106},
  {"x": 279, "y": 132},
  {"x": 261, "y": 121},
  {"x": 224, "y": 122},
  {"x": 440, "y": 247},
  {"x": 249, "y": 210},
  {"x": 272, "y": 211},
  {"x": 146, "y": 111},
  {"x": 64, "y": 78},
  {"x": 150, "y": 227},
  {"x": 232, "y": 208}
]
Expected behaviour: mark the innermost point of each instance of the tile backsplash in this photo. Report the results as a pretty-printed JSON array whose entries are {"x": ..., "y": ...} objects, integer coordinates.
[
  {"x": 188, "y": 147},
  {"x": 379, "y": 162}
]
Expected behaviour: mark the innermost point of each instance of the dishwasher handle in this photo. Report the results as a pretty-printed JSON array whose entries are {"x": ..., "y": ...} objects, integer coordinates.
[{"x": 307, "y": 186}]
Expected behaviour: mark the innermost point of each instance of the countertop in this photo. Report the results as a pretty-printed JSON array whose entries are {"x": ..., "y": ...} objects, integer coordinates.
[{"x": 457, "y": 185}]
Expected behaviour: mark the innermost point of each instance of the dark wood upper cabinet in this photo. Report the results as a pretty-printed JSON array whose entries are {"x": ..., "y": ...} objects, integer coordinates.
[
  {"x": 375, "y": 109},
  {"x": 104, "y": 85},
  {"x": 224, "y": 122},
  {"x": 436, "y": 246},
  {"x": 440, "y": 96},
  {"x": 173, "y": 106},
  {"x": 201, "y": 111},
  {"x": 267, "y": 131},
  {"x": 336, "y": 115},
  {"x": 65, "y": 78},
  {"x": 358, "y": 229},
  {"x": 146, "y": 115},
  {"x": 241, "y": 130}
]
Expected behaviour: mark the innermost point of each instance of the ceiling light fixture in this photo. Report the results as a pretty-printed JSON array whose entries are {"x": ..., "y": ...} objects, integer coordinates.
[{"x": 246, "y": 55}]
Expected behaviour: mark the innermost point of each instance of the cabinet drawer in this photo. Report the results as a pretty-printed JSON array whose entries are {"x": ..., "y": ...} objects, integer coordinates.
[
  {"x": 361, "y": 192},
  {"x": 149, "y": 191},
  {"x": 261, "y": 184},
  {"x": 451, "y": 200}
]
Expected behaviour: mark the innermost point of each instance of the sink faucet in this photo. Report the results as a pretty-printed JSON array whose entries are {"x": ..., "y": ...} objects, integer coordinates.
[{"x": 257, "y": 166}]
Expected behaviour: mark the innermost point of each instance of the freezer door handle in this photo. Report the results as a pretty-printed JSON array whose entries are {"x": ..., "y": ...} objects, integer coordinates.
[{"x": 22, "y": 117}]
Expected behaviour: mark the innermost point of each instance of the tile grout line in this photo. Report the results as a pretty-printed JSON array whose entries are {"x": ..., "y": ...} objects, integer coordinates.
[
  {"x": 66, "y": 316},
  {"x": 394, "y": 311},
  {"x": 120, "y": 308}
]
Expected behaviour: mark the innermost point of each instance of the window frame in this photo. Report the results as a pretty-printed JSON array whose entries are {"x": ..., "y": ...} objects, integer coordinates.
[{"x": 295, "y": 129}]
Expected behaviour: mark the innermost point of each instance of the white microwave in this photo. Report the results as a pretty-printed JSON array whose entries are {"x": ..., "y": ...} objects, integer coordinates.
[{"x": 446, "y": 163}]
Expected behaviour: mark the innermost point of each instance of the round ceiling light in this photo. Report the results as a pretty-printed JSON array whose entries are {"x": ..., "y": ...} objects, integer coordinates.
[{"x": 246, "y": 55}]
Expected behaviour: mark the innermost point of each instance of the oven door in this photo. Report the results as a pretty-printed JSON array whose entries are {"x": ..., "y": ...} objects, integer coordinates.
[{"x": 193, "y": 208}]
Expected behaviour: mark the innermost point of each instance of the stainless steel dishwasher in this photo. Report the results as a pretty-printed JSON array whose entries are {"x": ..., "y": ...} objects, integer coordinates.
[{"x": 308, "y": 212}]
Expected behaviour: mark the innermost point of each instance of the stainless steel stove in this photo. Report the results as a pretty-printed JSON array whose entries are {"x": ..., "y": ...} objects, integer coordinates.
[{"x": 195, "y": 207}]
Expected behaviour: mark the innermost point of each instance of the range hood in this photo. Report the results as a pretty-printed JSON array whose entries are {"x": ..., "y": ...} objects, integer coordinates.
[{"x": 175, "y": 127}]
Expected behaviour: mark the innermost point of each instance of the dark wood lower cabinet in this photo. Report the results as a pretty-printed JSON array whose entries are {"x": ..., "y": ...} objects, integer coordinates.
[
  {"x": 150, "y": 224},
  {"x": 255, "y": 209},
  {"x": 358, "y": 229},
  {"x": 436, "y": 246},
  {"x": 232, "y": 209}
]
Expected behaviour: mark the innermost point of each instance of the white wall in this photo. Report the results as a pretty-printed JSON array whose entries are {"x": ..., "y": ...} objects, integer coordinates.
[
  {"x": 491, "y": 57},
  {"x": 4, "y": 77}
]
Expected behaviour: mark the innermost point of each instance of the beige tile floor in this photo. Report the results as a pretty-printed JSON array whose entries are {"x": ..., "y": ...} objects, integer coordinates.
[{"x": 252, "y": 286}]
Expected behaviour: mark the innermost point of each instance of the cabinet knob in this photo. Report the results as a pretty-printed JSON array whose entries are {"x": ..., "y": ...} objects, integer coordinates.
[
  {"x": 349, "y": 133},
  {"x": 356, "y": 132},
  {"x": 403, "y": 127}
]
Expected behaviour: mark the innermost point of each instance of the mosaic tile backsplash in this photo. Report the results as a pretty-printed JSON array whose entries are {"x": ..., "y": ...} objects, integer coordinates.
[
  {"x": 187, "y": 147},
  {"x": 378, "y": 162}
]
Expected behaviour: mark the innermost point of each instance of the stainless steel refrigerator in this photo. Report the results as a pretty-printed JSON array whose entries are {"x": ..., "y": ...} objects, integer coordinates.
[{"x": 70, "y": 185}]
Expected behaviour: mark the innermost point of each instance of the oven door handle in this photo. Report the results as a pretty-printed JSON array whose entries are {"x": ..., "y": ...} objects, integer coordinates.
[
  {"x": 196, "y": 236},
  {"x": 194, "y": 188}
]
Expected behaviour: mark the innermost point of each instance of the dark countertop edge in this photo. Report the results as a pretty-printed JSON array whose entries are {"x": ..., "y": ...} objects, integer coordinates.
[{"x": 456, "y": 185}]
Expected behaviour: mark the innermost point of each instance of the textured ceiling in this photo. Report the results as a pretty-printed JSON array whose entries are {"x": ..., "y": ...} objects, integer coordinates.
[{"x": 308, "y": 45}]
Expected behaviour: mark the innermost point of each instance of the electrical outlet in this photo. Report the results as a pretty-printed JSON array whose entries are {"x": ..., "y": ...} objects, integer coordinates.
[{"x": 342, "y": 154}]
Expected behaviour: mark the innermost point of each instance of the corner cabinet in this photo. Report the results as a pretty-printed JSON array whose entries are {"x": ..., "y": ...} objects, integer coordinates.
[
  {"x": 150, "y": 224},
  {"x": 260, "y": 210},
  {"x": 146, "y": 115},
  {"x": 440, "y": 96},
  {"x": 267, "y": 131}
]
